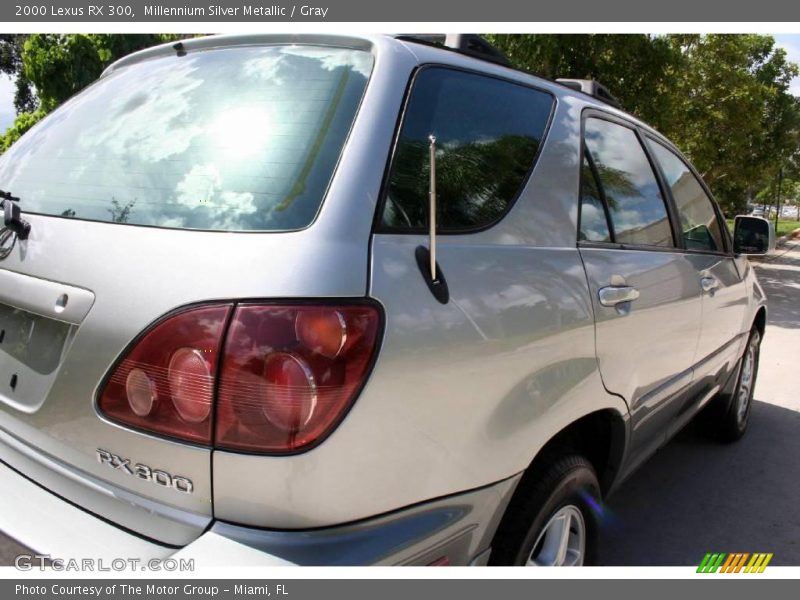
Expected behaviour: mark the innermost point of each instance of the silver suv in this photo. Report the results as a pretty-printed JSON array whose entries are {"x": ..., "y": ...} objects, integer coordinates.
[{"x": 353, "y": 300}]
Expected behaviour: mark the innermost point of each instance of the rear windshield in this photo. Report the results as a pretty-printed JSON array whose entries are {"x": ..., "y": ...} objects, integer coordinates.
[{"x": 226, "y": 139}]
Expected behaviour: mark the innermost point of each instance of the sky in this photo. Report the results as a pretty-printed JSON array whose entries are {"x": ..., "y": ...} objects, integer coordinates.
[
  {"x": 6, "y": 102},
  {"x": 789, "y": 42}
]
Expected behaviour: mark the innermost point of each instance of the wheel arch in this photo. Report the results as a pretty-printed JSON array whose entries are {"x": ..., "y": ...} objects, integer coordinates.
[
  {"x": 760, "y": 321},
  {"x": 599, "y": 436}
]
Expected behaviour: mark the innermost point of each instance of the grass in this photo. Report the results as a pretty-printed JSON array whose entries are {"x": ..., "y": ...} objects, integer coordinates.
[{"x": 785, "y": 226}]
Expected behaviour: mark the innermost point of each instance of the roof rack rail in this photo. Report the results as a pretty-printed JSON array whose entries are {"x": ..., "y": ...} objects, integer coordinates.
[
  {"x": 470, "y": 44},
  {"x": 593, "y": 88}
]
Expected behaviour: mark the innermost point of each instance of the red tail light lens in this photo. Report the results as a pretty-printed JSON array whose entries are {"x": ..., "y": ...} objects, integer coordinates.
[
  {"x": 141, "y": 391},
  {"x": 165, "y": 383},
  {"x": 290, "y": 373},
  {"x": 191, "y": 383},
  {"x": 290, "y": 391},
  {"x": 321, "y": 330}
]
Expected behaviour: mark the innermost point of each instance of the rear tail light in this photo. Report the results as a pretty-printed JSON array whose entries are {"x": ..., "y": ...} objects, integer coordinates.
[
  {"x": 165, "y": 382},
  {"x": 287, "y": 374},
  {"x": 290, "y": 373}
]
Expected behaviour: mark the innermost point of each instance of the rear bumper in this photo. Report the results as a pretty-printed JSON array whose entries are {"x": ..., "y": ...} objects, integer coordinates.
[
  {"x": 47, "y": 524},
  {"x": 458, "y": 527}
]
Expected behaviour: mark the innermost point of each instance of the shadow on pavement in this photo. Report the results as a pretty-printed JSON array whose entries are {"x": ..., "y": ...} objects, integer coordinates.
[{"x": 696, "y": 496}]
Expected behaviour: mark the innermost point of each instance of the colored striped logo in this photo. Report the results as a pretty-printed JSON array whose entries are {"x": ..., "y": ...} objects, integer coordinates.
[{"x": 734, "y": 563}]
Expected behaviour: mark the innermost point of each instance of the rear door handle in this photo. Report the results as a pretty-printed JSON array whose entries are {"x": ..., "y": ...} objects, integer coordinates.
[
  {"x": 709, "y": 284},
  {"x": 613, "y": 295}
]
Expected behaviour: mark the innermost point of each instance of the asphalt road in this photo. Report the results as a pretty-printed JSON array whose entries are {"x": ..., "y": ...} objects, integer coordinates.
[
  {"x": 697, "y": 496},
  {"x": 9, "y": 549}
]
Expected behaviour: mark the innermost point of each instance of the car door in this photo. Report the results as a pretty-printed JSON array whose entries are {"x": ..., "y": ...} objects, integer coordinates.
[
  {"x": 645, "y": 291},
  {"x": 707, "y": 247}
]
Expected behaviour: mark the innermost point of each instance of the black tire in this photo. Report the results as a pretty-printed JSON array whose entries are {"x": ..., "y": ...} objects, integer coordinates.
[
  {"x": 727, "y": 417},
  {"x": 559, "y": 485}
]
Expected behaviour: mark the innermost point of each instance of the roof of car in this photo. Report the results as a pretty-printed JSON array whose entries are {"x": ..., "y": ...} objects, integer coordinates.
[
  {"x": 427, "y": 53},
  {"x": 422, "y": 49}
]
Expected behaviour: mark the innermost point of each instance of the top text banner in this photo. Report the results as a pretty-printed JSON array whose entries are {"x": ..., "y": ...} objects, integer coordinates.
[{"x": 475, "y": 11}]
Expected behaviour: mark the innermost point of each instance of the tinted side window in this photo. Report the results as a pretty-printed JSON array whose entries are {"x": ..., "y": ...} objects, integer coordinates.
[
  {"x": 634, "y": 200},
  {"x": 487, "y": 134},
  {"x": 594, "y": 225},
  {"x": 699, "y": 223}
]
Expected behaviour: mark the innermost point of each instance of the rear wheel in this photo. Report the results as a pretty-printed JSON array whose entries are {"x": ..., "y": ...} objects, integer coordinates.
[
  {"x": 552, "y": 519},
  {"x": 726, "y": 419}
]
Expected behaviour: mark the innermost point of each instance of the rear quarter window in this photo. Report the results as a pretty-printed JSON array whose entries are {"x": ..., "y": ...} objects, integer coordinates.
[{"x": 488, "y": 132}]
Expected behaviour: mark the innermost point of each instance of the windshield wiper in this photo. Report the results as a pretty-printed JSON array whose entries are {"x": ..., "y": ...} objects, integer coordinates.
[{"x": 13, "y": 216}]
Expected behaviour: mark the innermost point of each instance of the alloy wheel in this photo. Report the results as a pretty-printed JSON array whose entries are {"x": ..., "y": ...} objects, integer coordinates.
[{"x": 562, "y": 542}]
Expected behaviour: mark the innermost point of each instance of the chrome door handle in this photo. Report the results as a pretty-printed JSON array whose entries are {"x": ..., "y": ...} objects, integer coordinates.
[
  {"x": 709, "y": 284},
  {"x": 613, "y": 295}
]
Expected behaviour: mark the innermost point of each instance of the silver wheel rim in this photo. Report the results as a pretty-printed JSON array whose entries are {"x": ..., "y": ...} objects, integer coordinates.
[
  {"x": 562, "y": 542},
  {"x": 746, "y": 382}
]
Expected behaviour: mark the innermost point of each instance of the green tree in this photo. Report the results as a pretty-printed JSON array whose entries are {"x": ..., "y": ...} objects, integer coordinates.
[
  {"x": 11, "y": 65},
  {"x": 740, "y": 120},
  {"x": 57, "y": 66},
  {"x": 22, "y": 123},
  {"x": 60, "y": 65},
  {"x": 638, "y": 69},
  {"x": 723, "y": 99}
]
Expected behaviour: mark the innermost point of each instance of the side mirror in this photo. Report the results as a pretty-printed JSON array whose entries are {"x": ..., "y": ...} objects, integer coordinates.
[{"x": 753, "y": 235}]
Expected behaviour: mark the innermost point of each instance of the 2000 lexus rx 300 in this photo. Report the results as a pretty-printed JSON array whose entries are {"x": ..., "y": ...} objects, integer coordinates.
[{"x": 353, "y": 300}]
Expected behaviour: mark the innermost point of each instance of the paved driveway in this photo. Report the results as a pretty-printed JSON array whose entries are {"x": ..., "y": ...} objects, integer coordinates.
[{"x": 8, "y": 550}]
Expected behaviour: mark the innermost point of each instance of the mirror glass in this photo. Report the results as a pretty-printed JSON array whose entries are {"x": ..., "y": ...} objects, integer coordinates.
[{"x": 752, "y": 235}]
